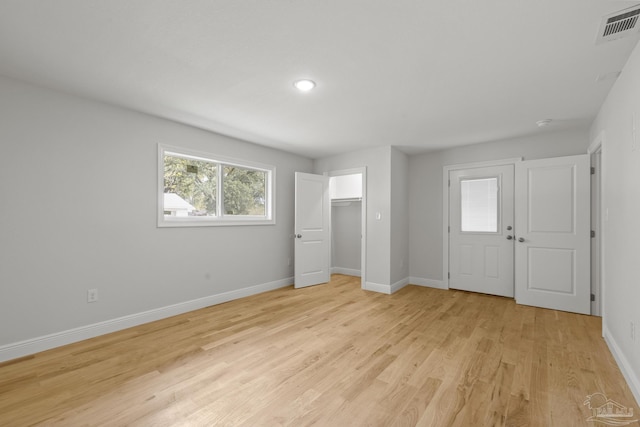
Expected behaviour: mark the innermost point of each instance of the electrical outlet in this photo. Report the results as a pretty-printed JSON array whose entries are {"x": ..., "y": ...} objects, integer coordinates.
[{"x": 92, "y": 295}]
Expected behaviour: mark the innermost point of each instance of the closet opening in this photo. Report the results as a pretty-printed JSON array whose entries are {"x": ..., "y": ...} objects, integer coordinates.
[{"x": 347, "y": 189}]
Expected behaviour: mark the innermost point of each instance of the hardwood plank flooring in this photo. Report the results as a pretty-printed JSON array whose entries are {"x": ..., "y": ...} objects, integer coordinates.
[{"x": 328, "y": 355}]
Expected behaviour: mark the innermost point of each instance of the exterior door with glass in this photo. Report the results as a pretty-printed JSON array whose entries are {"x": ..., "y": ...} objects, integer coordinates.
[{"x": 481, "y": 219}]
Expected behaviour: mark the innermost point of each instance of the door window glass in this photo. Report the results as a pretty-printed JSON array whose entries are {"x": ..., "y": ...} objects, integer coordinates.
[{"x": 479, "y": 205}]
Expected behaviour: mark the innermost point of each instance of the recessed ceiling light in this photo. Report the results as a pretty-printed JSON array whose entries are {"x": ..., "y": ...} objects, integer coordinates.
[
  {"x": 304, "y": 85},
  {"x": 544, "y": 122}
]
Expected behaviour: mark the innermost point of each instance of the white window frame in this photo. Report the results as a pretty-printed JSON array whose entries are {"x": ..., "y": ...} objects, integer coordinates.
[{"x": 220, "y": 219}]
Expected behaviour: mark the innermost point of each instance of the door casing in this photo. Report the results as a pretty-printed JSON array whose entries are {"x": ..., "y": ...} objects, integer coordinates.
[
  {"x": 599, "y": 216},
  {"x": 363, "y": 222},
  {"x": 445, "y": 205}
]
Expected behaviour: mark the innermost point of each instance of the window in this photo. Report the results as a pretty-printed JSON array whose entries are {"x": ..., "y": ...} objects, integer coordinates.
[
  {"x": 200, "y": 189},
  {"x": 479, "y": 205}
]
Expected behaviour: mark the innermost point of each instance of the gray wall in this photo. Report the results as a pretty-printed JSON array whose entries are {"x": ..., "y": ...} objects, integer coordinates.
[
  {"x": 621, "y": 227},
  {"x": 78, "y": 194},
  {"x": 346, "y": 228},
  {"x": 425, "y": 187},
  {"x": 399, "y": 216}
]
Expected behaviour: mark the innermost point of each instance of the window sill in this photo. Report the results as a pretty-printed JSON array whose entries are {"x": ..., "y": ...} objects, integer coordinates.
[{"x": 208, "y": 222}]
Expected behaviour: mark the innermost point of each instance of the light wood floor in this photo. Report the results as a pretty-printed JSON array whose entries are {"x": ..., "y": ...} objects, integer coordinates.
[{"x": 329, "y": 355}]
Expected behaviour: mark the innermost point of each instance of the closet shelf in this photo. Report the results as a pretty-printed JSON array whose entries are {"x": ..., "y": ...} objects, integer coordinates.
[{"x": 349, "y": 199}]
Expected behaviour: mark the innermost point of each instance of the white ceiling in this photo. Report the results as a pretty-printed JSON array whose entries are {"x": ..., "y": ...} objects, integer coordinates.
[{"x": 418, "y": 74}]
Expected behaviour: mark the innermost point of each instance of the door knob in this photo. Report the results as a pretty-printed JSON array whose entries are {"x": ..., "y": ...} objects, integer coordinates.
[
  {"x": 299, "y": 236},
  {"x": 521, "y": 239},
  {"x": 509, "y": 237},
  {"x": 509, "y": 227}
]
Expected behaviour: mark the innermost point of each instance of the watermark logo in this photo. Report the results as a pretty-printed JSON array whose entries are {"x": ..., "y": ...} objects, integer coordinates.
[{"x": 607, "y": 411}]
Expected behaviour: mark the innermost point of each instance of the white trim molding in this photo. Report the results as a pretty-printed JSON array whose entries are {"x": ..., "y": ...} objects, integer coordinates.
[
  {"x": 599, "y": 144},
  {"x": 625, "y": 367},
  {"x": 346, "y": 271},
  {"x": 377, "y": 287},
  {"x": 387, "y": 289},
  {"x": 47, "y": 342},
  {"x": 428, "y": 283},
  {"x": 399, "y": 285}
]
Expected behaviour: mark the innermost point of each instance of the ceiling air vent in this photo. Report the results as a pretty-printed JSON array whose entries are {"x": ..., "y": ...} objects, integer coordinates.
[{"x": 619, "y": 24}]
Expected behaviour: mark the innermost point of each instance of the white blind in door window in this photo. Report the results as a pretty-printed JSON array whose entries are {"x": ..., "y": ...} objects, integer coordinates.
[{"x": 479, "y": 205}]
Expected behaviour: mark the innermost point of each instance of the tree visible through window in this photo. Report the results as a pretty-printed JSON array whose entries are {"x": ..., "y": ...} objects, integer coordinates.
[
  {"x": 194, "y": 181},
  {"x": 197, "y": 190},
  {"x": 244, "y": 191}
]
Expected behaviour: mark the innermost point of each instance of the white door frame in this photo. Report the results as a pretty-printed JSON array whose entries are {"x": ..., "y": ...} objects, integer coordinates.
[
  {"x": 598, "y": 146},
  {"x": 596, "y": 214},
  {"x": 363, "y": 222},
  {"x": 445, "y": 205}
]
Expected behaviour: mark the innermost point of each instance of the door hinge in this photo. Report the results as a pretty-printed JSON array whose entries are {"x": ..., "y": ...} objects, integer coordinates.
[
  {"x": 449, "y": 183},
  {"x": 593, "y": 297},
  {"x": 449, "y": 229},
  {"x": 593, "y": 233},
  {"x": 593, "y": 170},
  {"x": 448, "y": 275}
]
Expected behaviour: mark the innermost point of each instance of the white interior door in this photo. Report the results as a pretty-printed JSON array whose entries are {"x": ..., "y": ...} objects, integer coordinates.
[
  {"x": 312, "y": 230},
  {"x": 553, "y": 233},
  {"x": 481, "y": 230}
]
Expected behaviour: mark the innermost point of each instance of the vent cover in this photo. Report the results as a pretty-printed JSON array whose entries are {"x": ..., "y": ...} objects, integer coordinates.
[{"x": 619, "y": 24}]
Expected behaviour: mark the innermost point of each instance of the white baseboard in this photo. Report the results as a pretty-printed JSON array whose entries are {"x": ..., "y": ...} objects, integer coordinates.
[
  {"x": 623, "y": 363},
  {"x": 377, "y": 287},
  {"x": 430, "y": 283},
  {"x": 347, "y": 271},
  {"x": 399, "y": 285},
  {"x": 386, "y": 289},
  {"x": 36, "y": 345}
]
